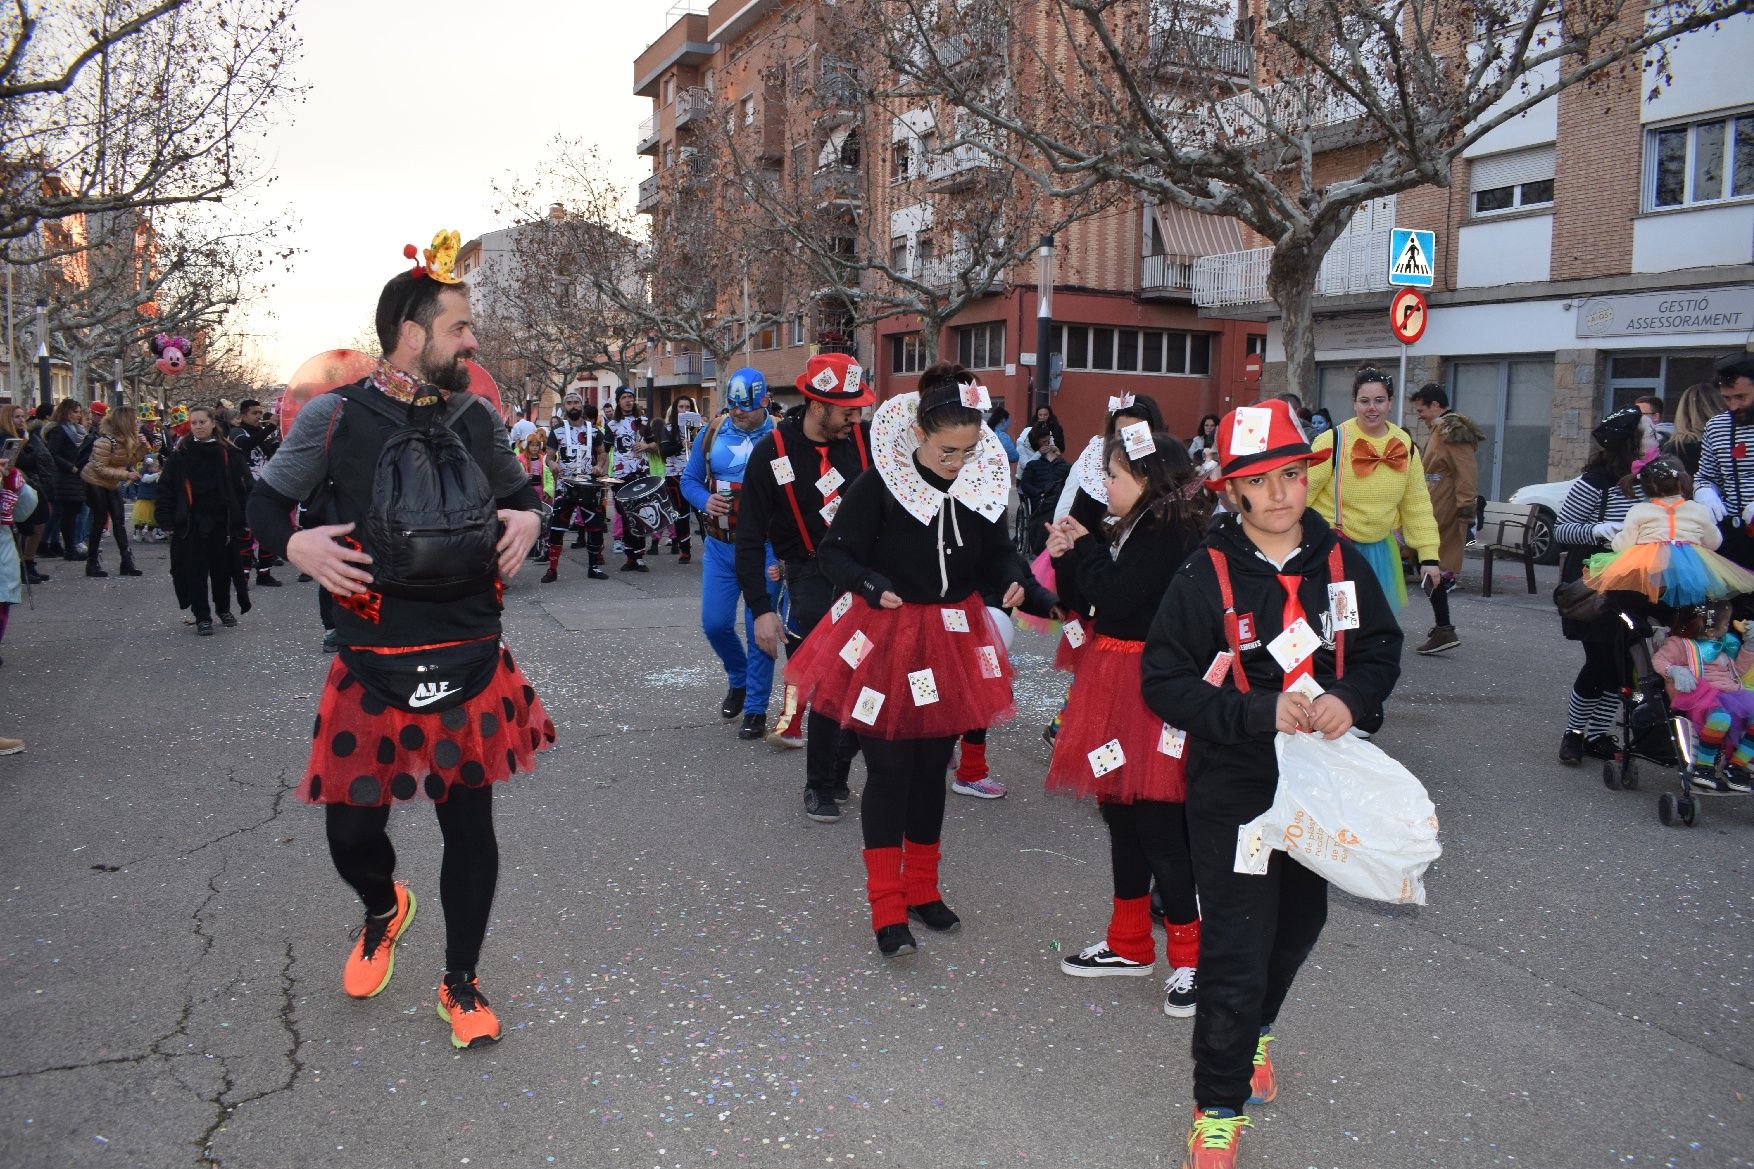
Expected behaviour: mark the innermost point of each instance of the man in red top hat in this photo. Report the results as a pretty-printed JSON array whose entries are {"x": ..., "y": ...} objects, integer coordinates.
[
  {"x": 1277, "y": 625},
  {"x": 791, "y": 491}
]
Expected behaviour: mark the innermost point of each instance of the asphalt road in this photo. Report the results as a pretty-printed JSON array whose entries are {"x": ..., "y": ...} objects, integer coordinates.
[{"x": 683, "y": 961}]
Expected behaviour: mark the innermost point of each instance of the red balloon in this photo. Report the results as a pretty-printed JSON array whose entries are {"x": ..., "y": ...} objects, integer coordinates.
[{"x": 334, "y": 368}]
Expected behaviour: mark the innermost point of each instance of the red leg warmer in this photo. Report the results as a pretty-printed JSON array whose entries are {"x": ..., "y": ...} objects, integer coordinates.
[
  {"x": 1129, "y": 930},
  {"x": 883, "y": 887},
  {"x": 1183, "y": 944},
  {"x": 919, "y": 873}
]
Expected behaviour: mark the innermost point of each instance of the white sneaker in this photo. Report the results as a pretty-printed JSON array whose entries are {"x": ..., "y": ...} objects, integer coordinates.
[{"x": 1098, "y": 961}]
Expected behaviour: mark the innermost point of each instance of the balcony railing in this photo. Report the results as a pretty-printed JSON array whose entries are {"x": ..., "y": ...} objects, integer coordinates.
[
  {"x": 648, "y": 193},
  {"x": 1289, "y": 107},
  {"x": 958, "y": 167},
  {"x": 1355, "y": 264},
  {"x": 1203, "y": 53},
  {"x": 648, "y": 136},
  {"x": 837, "y": 184},
  {"x": 691, "y": 103},
  {"x": 1160, "y": 274},
  {"x": 948, "y": 272}
]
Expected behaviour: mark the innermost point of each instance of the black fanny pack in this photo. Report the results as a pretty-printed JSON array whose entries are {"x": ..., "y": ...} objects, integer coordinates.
[{"x": 428, "y": 680}]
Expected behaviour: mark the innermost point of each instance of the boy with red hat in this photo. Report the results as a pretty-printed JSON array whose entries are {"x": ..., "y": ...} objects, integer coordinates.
[
  {"x": 1277, "y": 625},
  {"x": 791, "y": 491}
]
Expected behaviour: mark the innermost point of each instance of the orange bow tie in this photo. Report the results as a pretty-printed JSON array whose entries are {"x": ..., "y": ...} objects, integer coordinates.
[{"x": 1365, "y": 459}]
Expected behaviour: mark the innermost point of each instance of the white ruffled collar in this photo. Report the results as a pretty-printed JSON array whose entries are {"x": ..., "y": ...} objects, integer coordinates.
[
  {"x": 1090, "y": 472},
  {"x": 983, "y": 484}
]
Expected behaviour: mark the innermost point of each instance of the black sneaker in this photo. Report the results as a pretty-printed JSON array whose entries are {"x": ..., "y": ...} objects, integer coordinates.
[
  {"x": 204, "y": 628},
  {"x": 549, "y": 577},
  {"x": 1571, "y": 748},
  {"x": 893, "y": 941},
  {"x": 265, "y": 580},
  {"x": 1705, "y": 782},
  {"x": 842, "y": 793},
  {"x": 754, "y": 726},
  {"x": 305, "y": 578},
  {"x": 935, "y": 916},
  {"x": 732, "y": 706},
  {"x": 1601, "y": 747},
  {"x": 821, "y": 808},
  {"x": 330, "y": 645},
  {"x": 1738, "y": 780},
  {"x": 95, "y": 570},
  {"x": 229, "y": 620},
  {"x": 1098, "y": 961},
  {"x": 595, "y": 572},
  {"x": 1179, "y": 993}
]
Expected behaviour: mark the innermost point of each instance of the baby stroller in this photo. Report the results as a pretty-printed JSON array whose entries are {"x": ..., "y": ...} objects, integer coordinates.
[{"x": 1650, "y": 729}]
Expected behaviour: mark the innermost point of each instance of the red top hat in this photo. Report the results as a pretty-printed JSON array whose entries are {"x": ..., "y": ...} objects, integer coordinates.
[
  {"x": 1253, "y": 440},
  {"x": 100, "y": 408},
  {"x": 835, "y": 378}
]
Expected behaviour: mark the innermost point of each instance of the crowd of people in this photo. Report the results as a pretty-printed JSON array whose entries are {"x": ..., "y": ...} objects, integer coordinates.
[{"x": 1205, "y": 596}]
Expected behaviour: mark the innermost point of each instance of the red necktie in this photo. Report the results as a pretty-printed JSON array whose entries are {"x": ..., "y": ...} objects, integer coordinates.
[{"x": 1292, "y": 615}]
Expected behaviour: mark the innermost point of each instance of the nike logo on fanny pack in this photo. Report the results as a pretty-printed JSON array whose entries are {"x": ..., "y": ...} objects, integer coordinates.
[{"x": 428, "y": 693}]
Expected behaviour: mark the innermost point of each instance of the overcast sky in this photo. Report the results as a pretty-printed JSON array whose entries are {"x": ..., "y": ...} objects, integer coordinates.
[{"x": 414, "y": 108}]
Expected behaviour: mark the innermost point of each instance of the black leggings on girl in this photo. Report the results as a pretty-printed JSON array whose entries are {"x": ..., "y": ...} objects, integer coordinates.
[
  {"x": 468, "y": 874},
  {"x": 904, "y": 790},
  {"x": 1149, "y": 838}
]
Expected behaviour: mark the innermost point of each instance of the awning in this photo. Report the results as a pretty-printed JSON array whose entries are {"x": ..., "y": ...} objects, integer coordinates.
[{"x": 1189, "y": 233}]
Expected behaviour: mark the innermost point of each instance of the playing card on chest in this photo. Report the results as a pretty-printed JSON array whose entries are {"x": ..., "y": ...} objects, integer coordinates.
[
  {"x": 856, "y": 650},
  {"x": 1220, "y": 666},
  {"x": 1173, "y": 741},
  {"x": 924, "y": 687},
  {"x": 1294, "y": 645},
  {"x": 955, "y": 620},
  {"x": 830, "y": 482},
  {"x": 1343, "y": 605},
  {"x": 782, "y": 470},
  {"x": 829, "y": 510}
]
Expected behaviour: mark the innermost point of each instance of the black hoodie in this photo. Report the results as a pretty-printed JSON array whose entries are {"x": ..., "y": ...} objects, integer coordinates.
[{"x": 1231, "y": 733}]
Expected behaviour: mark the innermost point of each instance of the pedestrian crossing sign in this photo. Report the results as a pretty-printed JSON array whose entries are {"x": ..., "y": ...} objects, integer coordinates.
[{"x": 1412, "y": 258}]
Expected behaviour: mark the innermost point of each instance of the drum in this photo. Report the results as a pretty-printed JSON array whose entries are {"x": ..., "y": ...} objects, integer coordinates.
[{"x": 643, "y": 505}]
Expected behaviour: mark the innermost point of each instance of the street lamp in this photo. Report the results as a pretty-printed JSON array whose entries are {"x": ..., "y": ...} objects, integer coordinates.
[{"x": 42, "y": 350}]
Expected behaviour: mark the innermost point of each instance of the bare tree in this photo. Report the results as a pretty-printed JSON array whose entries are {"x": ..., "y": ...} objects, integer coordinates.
[
  {"x": 113, "y": 104},
  {"x": 1176, "y": 100},
  {"x": 695, "y": 274},
  {"x": 903, "y": 208}
]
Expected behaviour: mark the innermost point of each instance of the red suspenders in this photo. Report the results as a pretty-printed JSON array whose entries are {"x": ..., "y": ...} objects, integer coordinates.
[
  {"x": 1336, "y": 574},
  {"x": 779, "y": 447}
]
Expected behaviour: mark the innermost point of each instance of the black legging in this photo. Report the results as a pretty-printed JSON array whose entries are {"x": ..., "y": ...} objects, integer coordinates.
[
  {"x": 364, "y": 857},
  {"x": 67, "y": 515},
  {"x": 1149, "y": 838},
  {"x": 904, "y": 790},
  {"x": 107, "y": 509},
  {"x": 1603, "y": 662},
  {"x": 203, "y": 561}
]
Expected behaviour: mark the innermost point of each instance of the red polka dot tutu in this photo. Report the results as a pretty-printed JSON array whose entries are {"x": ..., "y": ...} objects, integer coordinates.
[
  {"x": 1107, "y": 708},
  {"x": 368, "y": 753},
  {"x": 917, "y": 672}
]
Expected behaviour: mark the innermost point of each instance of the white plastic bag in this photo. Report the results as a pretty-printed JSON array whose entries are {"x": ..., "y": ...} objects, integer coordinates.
[{"x": 1349, "y": 812}]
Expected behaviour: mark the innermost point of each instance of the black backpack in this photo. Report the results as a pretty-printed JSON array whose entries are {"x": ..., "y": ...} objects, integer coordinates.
[{"x": 432, "y": 526}]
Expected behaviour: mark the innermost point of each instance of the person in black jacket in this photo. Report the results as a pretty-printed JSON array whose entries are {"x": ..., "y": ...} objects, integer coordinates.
[
  {"x": 1038, "y": 487},
  {"x": 817, "y": 449},
  {"x": 908, "y": 656},
  {"x": 1216, "y": 666},
  {"x": 64, "y": 435},
  {"x": 201, "y": 508},
  {"x": 1111, "y": 745}
]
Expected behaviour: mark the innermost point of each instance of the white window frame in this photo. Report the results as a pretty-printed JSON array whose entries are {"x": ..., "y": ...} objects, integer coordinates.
[
  {"x": 981, "y": 346},
  {"x": 1165, "y": 341},
  {"x": 1690, "y": 197},
  {"x": 907, "y": 353}
]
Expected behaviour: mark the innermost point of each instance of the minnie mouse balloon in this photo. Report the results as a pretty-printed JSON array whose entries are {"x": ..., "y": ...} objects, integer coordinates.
[{"x": 172, "y": 353}]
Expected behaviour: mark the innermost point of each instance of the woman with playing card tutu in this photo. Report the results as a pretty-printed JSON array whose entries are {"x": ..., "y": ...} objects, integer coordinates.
[
  {"x": 908, "y": 657},
  {"x": 1110, "y": 744}
]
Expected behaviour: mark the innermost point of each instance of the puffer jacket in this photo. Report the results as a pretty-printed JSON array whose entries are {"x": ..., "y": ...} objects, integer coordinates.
[{"x": 111, "y": 461}]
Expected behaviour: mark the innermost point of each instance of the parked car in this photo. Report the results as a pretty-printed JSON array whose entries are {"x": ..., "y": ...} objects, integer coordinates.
[{"x": 1547, "y": 499}]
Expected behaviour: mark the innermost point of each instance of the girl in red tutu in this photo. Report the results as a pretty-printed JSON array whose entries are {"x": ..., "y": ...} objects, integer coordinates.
[
  {"x": 1110, "y": 744},
  {"x": 908, "y": 657}
]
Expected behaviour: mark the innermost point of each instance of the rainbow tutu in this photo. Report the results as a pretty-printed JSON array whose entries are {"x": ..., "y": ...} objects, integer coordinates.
[{"x": 1670, "y": 572}]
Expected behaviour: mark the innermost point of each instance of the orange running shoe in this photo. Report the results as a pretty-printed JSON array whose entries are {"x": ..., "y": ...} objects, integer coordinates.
[
  {"x": 1263, "y": 1084},
  {"x": 461, "y": 1003},
  {"x": 373, "y": 959},
  {"x": 1212, "y": 1139}
]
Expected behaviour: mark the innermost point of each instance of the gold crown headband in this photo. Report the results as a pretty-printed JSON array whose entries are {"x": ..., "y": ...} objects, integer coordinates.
[{"x": 441, "y": 258}]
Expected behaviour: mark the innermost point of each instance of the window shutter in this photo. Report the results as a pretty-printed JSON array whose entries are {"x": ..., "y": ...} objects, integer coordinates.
[{"x": 1511, "y": 168}]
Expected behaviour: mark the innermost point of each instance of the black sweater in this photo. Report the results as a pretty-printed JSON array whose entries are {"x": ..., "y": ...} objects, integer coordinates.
[
  {"x": 765, "y": 517},
  {"x": 1122, "y": 591},
  {"x": 875, "y": 546},
  {"x": 1231, "y": 733}
]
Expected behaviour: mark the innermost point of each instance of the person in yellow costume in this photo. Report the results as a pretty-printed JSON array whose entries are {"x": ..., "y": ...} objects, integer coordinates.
[{"x": 1380, "y": 488}]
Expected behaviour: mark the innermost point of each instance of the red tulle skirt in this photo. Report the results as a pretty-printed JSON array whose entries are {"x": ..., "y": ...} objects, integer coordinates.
[
  {"x": 368, "y": 753},
  {"x": 968, "y": 685},
  {"x": 1107, "y": 710}
]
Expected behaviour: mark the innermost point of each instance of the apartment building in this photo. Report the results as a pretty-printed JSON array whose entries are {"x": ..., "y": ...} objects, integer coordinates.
[
  {"x": 1122, "y": 284},
  {"x": 1595, "y": 249}
]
